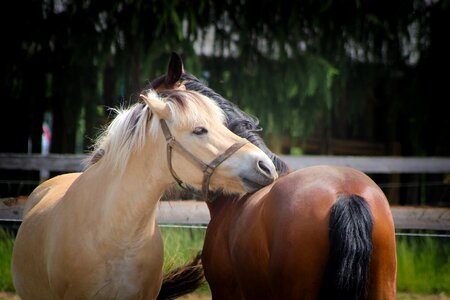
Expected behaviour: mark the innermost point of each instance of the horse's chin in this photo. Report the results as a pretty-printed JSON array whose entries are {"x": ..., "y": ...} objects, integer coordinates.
[
  {"x": 252, "y": 186},
  {"x": 245, "y": 186}
]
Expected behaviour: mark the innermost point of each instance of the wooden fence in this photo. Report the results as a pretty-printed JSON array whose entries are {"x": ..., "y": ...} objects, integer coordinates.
[
  {"x": 194, "y": 212},
  {"x": 367, "y": 164}
]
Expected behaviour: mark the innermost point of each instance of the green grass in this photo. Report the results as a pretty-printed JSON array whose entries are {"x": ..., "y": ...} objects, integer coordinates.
[
  {"x": 180, "y": 246},
  {"x": 6, "y": 246},
  {"x": 423, "y": 265}
]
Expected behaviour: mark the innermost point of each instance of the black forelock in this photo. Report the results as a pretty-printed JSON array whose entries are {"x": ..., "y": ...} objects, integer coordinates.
[
  {"x": 234, "y": 114},
  {"x": 238, "y": 121},
  {"x": 231, "y": 110}
]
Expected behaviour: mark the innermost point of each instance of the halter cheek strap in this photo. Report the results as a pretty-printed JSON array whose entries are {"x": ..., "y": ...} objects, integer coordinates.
[{"x": 207, "y": 169}]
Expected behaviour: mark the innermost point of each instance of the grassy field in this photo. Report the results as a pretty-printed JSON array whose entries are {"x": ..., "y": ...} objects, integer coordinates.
[
  {"x": 423, "y": 263},
  {"x": 6, "y": 246},
  {"x": 181, "y": 245}
]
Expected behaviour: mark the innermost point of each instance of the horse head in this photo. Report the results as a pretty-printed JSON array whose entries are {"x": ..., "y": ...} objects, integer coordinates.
[
  {"x": 188, "y": 128},
  {"x": 237, "y": 121}
]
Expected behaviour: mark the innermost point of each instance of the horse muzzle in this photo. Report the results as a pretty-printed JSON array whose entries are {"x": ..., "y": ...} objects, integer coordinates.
[{"x": 263, "y": 174}]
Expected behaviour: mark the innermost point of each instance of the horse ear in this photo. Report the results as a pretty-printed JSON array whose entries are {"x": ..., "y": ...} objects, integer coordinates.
[
  {"x": 157, "y": 106},
  {"x": 174, "y": 70}
]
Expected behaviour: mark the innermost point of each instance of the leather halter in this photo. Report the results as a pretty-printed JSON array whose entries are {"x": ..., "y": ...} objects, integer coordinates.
[{"x": 207, "y": 169}]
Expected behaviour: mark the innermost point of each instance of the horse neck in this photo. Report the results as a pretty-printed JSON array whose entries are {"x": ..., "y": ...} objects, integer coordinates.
[
  {"x": 126, "y": 203},
  {"x": 221, "y": 202}
]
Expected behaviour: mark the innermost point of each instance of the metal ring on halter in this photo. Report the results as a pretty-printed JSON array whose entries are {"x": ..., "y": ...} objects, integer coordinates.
[{"x": 207, "y": 169}]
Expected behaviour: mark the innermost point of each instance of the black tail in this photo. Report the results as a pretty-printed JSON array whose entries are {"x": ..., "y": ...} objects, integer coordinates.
[
  {"x": 182, "y": 280},
  {"x": 350, "y": 235}
]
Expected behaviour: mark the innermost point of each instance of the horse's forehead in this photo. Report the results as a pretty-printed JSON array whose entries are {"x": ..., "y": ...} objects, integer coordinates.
[{"x": 198, "y": 110}]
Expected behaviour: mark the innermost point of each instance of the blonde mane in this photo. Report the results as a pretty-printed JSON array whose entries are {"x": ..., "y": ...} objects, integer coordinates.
[{"x": 130, "y": 129}]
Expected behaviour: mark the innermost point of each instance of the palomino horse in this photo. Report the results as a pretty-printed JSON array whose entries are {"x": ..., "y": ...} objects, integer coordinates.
[
  {"x": 93, "y": 235},
  {"x": 321, "y": 232}
]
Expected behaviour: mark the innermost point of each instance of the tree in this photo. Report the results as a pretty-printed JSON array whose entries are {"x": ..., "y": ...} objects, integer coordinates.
[{"x": 346, "y": 69}]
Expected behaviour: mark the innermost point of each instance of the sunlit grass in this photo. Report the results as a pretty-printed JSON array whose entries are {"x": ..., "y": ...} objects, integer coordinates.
[
  {"x": 423, "y": 265},
  {"x": 181, "y": 245},
  {"x": 6, "y": 246}
]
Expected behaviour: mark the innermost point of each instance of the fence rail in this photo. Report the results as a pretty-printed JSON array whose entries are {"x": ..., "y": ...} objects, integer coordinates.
[
  {"x": 50, "y": 162},
  {"x": 187, "y": 212},
  {"x": 374, "y": 164},
  {"x": 368, "y": 164},
  {"x": 196, "y": 212}
]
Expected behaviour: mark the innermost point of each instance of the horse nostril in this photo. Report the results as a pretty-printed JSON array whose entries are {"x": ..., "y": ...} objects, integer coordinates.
[{"x": 264, "y": 168}]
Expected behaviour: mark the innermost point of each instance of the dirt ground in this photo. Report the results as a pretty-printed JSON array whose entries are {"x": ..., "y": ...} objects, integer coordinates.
[{"x": 400, "y": 296}]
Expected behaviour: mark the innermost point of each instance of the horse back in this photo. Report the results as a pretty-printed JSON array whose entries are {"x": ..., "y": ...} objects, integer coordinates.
[{"x": 52, "y": 189}]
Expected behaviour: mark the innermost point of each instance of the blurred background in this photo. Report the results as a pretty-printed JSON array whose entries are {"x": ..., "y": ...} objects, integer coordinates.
[{"x": 324, "y": 77}]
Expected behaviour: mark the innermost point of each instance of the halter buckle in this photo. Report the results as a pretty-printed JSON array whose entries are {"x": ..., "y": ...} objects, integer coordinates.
[{"x": 208, "y": 170}]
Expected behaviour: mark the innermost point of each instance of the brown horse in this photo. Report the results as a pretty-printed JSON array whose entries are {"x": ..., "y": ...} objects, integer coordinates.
[
  {"x": 93, "y": 235},
  {"x": 317, "y": 233},
  {"x": 321, "y": 232}
]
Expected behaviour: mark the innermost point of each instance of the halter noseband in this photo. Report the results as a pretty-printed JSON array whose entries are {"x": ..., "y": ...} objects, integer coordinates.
[{"x": 207, "y": 169}]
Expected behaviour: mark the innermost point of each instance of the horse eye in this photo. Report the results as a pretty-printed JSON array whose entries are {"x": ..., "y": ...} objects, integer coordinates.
[{"x": 200, "y": 130}]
